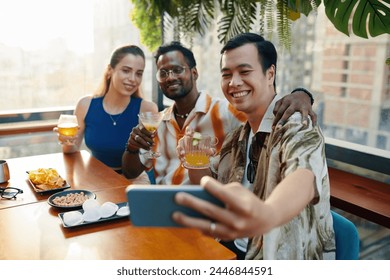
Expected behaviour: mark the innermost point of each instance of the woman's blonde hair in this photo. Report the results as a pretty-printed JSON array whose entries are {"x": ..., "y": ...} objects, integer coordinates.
[{"x": 116, "y": 57}]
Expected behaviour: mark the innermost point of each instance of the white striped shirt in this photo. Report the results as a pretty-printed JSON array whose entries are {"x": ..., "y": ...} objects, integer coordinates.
[{"x": 211, "y": 116}]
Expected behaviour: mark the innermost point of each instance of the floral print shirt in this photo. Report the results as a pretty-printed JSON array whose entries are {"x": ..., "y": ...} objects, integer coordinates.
[{"x": 309, "y": 235}]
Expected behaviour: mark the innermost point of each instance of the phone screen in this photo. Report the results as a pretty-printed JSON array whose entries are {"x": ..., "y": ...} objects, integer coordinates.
[{"x": 153, "y": 205}]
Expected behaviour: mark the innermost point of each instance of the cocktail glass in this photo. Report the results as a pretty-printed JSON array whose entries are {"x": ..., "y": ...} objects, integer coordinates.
[{"x": 151, "y": 121}]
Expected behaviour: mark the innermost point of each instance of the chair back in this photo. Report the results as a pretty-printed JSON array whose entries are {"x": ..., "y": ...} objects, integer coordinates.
[{"x": 347, "y": 238}]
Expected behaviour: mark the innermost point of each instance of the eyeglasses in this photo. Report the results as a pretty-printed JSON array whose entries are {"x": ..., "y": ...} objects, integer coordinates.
[
  {"x": 163, "y": 74},
  {"x": 10, "y": 193},
  {"x": 254, "y": 155}
]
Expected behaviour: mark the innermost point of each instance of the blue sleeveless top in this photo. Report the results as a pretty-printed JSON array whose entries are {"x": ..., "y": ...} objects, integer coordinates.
[{"x": 106, "y": 141}]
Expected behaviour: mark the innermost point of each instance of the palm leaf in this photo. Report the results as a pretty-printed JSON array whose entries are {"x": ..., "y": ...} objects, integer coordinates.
[
  {"x": 283, "y": 23},
  {"x": 165, "y": 6},
  {"x": 303, "y": 6},
  {"x": 269, "y": 12},
  {"x": 197, "y": 16},
  {"x": 369, "y": 17},
  {"x": 261, "y": 15},
  {"x": 190, "y": 18},
  {"x": 238, "y": 16}
]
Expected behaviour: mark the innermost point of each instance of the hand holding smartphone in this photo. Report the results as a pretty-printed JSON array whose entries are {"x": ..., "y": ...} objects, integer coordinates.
[{"x": 153, "y": 206}]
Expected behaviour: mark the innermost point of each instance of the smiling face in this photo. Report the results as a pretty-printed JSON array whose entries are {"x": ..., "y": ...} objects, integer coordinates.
[
  {"x": 177, "y": 86},
  {"x": 243, "y": 81},
  {"x": 126, "y": 76}
]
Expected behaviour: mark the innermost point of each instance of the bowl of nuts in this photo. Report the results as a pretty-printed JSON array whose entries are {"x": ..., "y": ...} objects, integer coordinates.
[{"x": 70, "y": 199}]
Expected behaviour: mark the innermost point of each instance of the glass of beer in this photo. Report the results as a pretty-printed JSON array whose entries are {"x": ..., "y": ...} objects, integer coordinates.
[
  {"x": 197, "y": 150},
  {"x": 151, "y": 121},
  {"x": 67, "y": 126}
]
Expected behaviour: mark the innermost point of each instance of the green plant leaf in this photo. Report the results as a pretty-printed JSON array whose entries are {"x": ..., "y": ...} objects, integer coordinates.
[
  {"x": 369, "y": 17},
  {"x": 148, "y": 20},
  {"x": 303, "y": 6},
  {"x": 283, "y": 24},
  {"x": 197, "y": 16},
  {"x": 187, "y": 17},
  {"x": 238, "y": 16}
]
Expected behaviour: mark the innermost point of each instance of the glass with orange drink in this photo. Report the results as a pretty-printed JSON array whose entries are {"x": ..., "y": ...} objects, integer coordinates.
[{"x": 197, "y": 151}]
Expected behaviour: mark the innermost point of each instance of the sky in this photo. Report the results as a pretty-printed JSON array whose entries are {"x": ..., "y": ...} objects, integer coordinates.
[{"x": 33, "y": 24}]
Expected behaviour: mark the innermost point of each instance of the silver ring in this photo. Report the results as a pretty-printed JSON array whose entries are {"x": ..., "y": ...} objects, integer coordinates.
[
  {"x": 212, "y": 227},
  {"x": 136, "y": 138}
]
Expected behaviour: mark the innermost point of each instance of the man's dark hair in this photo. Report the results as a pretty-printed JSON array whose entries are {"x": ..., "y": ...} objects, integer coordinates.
[
  {"x": 266, "y": 51},
  {"x": 176, "y": 46}
]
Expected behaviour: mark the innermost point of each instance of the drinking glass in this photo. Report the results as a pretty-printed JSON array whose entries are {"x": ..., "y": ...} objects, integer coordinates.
[
  {"x": 67, "y": 126},
  {"x": 4, "y": 171},
  {"x": 197, "y": 151},
  {"x": 151, "y": 121}
]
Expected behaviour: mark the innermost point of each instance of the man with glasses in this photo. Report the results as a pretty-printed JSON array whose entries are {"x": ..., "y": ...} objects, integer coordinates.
[
  {"x": 177, "y": 75},
  {"x": 273, "y": 181}
]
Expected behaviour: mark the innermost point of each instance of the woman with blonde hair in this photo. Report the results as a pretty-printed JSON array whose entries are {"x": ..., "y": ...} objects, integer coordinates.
[{"x": 107, "y": 117}]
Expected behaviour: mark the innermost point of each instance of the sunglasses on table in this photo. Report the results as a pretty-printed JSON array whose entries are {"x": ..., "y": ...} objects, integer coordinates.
[{"x": 9, "y": 193}]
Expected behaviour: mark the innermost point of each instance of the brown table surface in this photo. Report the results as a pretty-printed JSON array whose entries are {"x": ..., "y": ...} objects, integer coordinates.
[
  {"x": 32, "y": 230},
  {"x": 361, "y": 196}
]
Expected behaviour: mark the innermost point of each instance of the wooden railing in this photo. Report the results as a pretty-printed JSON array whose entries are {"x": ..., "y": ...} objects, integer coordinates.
[
  {"x": 30, "y": 121},
  {"x": 363, "y": 197},
  {"x": 27, "y": 127}
]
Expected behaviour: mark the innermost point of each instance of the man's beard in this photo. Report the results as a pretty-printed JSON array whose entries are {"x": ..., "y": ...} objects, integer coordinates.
[{"x": 184, "y": 91}]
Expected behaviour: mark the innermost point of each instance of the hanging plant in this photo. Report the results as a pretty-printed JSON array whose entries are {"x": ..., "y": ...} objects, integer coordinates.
[
  {"x": 188, "y": 17},
  {"x": 147, "y": 19}
]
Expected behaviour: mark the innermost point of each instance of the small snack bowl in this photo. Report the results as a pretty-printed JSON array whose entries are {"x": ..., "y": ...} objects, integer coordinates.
[{"x": 70, "y": 199}]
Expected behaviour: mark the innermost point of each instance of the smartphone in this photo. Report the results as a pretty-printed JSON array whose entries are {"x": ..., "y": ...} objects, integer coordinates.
[{"x": 152, "y": 206}]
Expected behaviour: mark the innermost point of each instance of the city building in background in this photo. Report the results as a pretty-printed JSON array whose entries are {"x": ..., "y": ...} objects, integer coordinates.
[{"x": 353, "y": 83}]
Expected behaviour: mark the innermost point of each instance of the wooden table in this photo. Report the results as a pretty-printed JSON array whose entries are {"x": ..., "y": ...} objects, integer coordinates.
[
  {"x": 32, "y": 230},
  {"x": 363, "y": 197}
]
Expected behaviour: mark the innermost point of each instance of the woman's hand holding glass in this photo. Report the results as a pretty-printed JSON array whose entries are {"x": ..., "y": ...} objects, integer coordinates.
[{"x": 67, "y": 129}]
